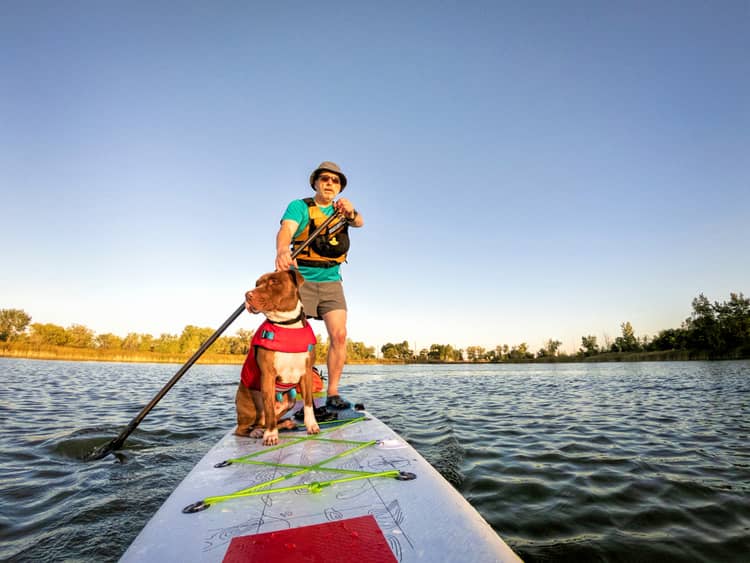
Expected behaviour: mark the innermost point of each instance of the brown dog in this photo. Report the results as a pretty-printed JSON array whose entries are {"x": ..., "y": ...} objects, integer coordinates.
[{"x": 281, "y": 355}]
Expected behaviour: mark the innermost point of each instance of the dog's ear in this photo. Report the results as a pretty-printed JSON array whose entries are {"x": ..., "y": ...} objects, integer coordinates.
[{"x": 297, "y": 278}]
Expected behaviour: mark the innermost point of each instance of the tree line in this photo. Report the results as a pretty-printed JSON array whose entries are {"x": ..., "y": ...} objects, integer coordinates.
[
  {"x": 16, "y": 328},
  {"x": 714, "y": 330}
]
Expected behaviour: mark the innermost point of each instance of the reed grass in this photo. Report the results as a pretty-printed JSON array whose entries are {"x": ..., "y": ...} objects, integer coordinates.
[{"x": 104, "y": 355}]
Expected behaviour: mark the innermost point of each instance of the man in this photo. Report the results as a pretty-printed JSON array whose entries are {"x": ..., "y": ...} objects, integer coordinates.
[{"x": 322, "y": 293}]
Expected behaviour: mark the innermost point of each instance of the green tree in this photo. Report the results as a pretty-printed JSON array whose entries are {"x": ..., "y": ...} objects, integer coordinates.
[
  {"x": 520, "y": 352},
  {"x": 48, "y": 334},
  {"x": 237, "y": 345},
  {"x": 627, "y": 342},
  {"x": 108, "y": 341},
  {"x": 436, "y": 352},
  {"x": 131, "y": 342},
  {"x": 321, "y": 350},
  {"x": 192, "y": 337},
  {"x": 241, "y": 342},
  {"x": 703, "y": 327},
  {"x": 167, "y": 344},
  {"x": 444, "y": 353},
  {"x": 475, "y": 353},
  {"x": 669, "y": 339},
  {"x": 147, "y": 343},
  {"x": 13, "y": 323},
  {"x": 733, "y": 317},
  {"x": 397, "y": 351},
  {"x": 491, "y": 355},
  {"x": 589, "y": 347},
  {"x": 550, "y": 349},
  {"x": 79, "y": 336},
  {"x": 358, "y": 351},
  {"x": 221, "y": 345}
]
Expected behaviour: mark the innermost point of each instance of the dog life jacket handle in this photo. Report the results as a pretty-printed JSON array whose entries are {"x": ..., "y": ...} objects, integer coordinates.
[{"x": 292, "y": 392}]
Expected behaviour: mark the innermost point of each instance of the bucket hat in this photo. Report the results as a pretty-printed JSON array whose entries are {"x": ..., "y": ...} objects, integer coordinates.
[{"x": 328, "y": 166}]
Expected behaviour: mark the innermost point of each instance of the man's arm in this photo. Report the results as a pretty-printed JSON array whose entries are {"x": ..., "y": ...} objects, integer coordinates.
[{"x": 283, "y": 241}]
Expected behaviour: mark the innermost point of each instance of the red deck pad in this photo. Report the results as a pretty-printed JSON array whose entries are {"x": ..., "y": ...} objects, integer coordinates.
[{"x": 343, "y": 541}]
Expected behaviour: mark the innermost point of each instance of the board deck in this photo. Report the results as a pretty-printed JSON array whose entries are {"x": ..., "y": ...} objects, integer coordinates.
[{"x": 339, "y": 487}]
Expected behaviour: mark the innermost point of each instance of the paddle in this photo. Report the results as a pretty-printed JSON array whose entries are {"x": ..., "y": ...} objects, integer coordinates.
[{"x": 117, "y": 443}]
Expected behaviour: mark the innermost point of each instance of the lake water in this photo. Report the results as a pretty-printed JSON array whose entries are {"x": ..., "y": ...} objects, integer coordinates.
[{"x": 569, "y": 462}]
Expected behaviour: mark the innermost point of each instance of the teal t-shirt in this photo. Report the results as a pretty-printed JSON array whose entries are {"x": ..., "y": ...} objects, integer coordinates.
[{"x": 297, "y": 212}]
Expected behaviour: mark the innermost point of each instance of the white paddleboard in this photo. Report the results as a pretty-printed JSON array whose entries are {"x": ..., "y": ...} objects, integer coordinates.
[{"x": 375, "y": 499}]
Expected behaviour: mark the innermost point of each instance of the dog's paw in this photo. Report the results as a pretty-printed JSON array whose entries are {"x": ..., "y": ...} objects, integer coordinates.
[
  {"x": 240, "y": 432},
  {"x": 257, "y": 432},
  {"x": 270, "y": 437},
  {"x": 312, "y": 428}
]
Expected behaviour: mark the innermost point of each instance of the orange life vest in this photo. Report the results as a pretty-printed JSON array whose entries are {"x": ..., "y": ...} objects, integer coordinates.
[{"x": 329, "y": 248}]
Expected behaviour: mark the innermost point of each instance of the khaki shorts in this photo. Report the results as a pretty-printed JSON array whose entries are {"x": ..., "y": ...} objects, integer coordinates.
[{"x": 319, "y": 298}]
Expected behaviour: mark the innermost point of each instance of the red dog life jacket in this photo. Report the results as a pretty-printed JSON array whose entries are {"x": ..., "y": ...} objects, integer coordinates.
[{"x": 279, "y": 339}]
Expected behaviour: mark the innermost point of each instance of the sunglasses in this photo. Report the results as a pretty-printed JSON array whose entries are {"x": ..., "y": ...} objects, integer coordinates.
[{"x": 329, "y": 178}]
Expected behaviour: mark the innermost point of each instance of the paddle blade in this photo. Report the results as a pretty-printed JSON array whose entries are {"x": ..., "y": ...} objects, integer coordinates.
[{"x": 103, "y": 450}]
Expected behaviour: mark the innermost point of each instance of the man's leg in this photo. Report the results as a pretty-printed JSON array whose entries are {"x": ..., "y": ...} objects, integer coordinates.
[{"x": 335, "y": 322}]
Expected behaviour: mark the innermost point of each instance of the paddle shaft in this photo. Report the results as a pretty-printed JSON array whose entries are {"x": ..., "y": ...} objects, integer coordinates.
[{"x": 117, "y": 443}]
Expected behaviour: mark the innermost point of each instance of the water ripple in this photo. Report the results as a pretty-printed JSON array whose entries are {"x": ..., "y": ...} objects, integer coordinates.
[{"x": 602, "y": 462}]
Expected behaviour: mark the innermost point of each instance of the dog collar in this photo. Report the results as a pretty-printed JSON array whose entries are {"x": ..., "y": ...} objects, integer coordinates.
[
  {"x": 280, "y": 317},
  {"x": 301, "y": 317}
]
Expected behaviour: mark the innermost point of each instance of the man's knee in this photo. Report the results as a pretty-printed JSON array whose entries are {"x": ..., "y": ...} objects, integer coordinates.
[{"x": 338, "y": 337}]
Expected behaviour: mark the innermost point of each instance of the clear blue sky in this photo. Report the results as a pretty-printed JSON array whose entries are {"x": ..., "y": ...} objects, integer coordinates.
[{"x": 526, "y": 170}]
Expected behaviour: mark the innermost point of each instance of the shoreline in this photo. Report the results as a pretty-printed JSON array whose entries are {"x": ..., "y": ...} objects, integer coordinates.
[
  {"x": 93, "y": 355},
  {"x": 64, "y": 353}
]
